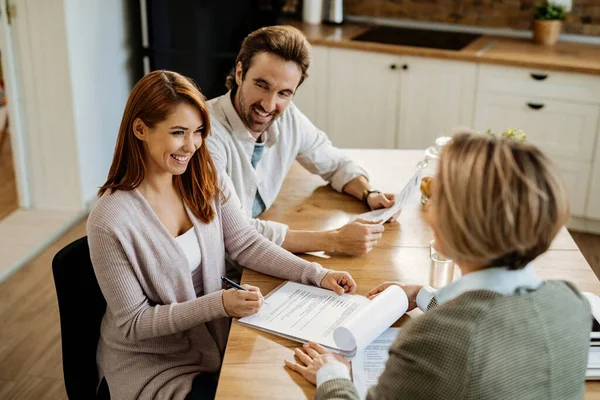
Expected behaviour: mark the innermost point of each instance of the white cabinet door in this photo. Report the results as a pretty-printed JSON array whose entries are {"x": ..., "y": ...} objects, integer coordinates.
[
  {"x": 437, "y": 97},
  {"x": 593, "y": 201},
  {"x": 576, "y": 176},
  {"x": 561, "y": 129},
  {"x": 310, "y": 97},
  {"x": 362, "y": 95}
]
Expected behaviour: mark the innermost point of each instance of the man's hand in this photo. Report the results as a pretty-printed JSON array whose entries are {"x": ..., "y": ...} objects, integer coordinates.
[
  {"x": 411, "y": 292},
  {"x": 357, "y": 237},
  {"x": 381, "y": 200},
  {"x": 339, "y": 281},
  {"x": 312, "y": 357}
]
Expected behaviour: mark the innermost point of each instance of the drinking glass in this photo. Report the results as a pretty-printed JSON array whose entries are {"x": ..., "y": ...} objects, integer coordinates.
[{"x": 441, "y": 271}]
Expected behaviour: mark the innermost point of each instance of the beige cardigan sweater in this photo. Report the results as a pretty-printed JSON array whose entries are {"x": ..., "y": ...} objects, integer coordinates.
[{"x": 156, "y": 335}]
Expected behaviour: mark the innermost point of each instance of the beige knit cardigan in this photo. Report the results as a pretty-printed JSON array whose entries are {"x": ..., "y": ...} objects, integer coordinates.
[{"x": 156, "y": 335}]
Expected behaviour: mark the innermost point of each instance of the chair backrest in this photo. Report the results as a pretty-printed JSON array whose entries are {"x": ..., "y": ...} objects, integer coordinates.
[{"x": 81, "y": 307}]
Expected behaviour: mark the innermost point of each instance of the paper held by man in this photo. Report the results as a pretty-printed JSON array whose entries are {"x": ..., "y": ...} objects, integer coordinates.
[
  {"x": 344, "y": 324},
  {"x": 384, "y": 214}
]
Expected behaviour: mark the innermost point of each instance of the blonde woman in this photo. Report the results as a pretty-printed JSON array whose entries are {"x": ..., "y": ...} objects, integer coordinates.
[{"x": 499, "y": 332}]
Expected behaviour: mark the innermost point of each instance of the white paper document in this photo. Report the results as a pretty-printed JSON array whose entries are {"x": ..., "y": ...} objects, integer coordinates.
[
  {"x": 593, "y": 367},
  {"x": 594, "y": 358},
  {"x": 368, "y": 365},
  {"x": 384, "y": 214},
  {"x": 344, "y": 324}
]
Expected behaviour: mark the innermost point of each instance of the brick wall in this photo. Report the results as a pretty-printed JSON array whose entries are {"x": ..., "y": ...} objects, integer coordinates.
[{"x": 584, "y": 18}]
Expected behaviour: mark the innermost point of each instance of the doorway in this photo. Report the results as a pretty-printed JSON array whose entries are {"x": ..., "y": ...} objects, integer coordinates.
[{"x": 9, "y": 200}]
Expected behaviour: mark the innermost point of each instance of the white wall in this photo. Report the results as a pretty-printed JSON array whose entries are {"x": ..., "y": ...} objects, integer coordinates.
[
  {"x": 48, "y": 134},
  {"x": 100, "y": 53},
  {"x": 73, "y": 61}
]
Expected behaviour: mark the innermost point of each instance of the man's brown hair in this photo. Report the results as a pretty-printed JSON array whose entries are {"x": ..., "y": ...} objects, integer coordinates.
[{"x": 284, "y": 41}]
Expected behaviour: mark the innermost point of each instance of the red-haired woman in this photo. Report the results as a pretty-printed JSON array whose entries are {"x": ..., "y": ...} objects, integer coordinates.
[{"x": 158, "y": 236}]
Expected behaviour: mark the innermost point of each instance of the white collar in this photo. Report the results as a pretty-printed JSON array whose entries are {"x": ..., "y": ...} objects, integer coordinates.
[{"x": 497, "y": 279}]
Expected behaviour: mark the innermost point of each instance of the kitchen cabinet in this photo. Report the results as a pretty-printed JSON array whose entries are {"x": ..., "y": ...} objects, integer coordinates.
[
  {"x": 562, "y": 129},
  {"x": 365, "y": 99},
  {"x": 436, "y": 98},
  {"x": 310, "y": 97},
  {"x": 558, "y": 111},
  {"x": 375, "y": 100},
  {"x": 593, "y": 200},
  {"x": 362, "y": 99}
]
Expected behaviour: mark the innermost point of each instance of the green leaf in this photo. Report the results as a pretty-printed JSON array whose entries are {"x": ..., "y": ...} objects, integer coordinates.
[{"x": 549, "y": 11}]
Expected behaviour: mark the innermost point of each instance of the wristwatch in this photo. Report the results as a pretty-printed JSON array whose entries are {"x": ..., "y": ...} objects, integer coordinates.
[{"x": 366, "y": 194}]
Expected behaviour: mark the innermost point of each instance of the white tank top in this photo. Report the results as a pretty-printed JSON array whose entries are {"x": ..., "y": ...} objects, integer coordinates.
[{"x": 189, "y": 244}]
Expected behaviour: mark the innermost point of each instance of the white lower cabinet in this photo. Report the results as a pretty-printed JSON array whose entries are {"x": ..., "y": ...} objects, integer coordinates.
[
  {"x": 565, "y": 131},
  {"x": 311, "y": 96},
  {"x": 561, "y": 129},
  {"x": 362, "y": 99},
  {"x": 593, "y": 200},
  {"x": 576, "y": 176},
  {"x": 365, "y": 99},
  {"x": 437, "y": 97}
]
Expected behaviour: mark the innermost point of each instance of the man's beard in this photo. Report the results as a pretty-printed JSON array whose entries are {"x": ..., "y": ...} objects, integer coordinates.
[{"x": 248, "y": 111}]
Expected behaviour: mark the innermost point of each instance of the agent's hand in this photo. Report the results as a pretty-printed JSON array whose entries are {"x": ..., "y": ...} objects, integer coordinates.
[
  {"x": 312, "y": 357},
  {"x": 239, "y": 303},
  {"x": 339, "y": 281},
  {"x": 411, "y": 292},
  {"x": 357, "y": 237},
  {"x": 381, "y": 200}
]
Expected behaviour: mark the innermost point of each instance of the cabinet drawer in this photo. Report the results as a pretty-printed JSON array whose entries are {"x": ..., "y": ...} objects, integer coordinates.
[
  {"x": 559, "y": 128},
  {"x": 576, "y": 177},
  {"x": 550, "y": 84}
]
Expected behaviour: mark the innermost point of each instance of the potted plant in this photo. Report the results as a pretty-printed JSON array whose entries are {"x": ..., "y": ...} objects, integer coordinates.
[{"x": 548, "y": 23}]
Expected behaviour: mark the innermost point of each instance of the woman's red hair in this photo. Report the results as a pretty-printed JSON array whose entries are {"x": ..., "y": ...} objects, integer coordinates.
[{"x": 152, "y": 99}]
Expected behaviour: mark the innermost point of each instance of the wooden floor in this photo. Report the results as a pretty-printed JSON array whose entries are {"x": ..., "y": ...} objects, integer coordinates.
[
  {"x": 8, "y": 186},
  {"x": 30, "y": 349}
]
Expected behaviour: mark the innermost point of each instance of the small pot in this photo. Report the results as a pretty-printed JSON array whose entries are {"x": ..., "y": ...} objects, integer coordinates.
[{"x": 546, "y": 32}]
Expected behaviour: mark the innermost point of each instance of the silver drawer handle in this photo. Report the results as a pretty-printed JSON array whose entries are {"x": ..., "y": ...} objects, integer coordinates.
[{"x": 536, "y": 106}]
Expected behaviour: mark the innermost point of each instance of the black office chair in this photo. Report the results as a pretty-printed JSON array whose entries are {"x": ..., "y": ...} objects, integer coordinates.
[{"x": 81, "y": 307}]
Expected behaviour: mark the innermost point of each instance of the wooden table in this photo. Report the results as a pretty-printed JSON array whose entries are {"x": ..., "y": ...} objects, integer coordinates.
[{"x": 254, "y": 360}]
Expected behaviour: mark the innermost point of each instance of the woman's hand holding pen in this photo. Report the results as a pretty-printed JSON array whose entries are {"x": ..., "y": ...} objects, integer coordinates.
[
  {"x": 241, "y": 303},
  {"x": 339, "y": 281}
]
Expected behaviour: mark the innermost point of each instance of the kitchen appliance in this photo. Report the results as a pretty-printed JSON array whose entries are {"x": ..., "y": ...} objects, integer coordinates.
[
  {"x": 333, "y": 12},
  {"x": 435, "y": 39},
  {"x": 201, "y": 38}
]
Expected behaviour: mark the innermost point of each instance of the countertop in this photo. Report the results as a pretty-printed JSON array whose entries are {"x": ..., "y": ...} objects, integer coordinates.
[{"x": 564, "y": 56}]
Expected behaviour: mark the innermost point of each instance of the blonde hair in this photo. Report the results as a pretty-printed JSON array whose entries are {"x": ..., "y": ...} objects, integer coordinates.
[
  {"x": 284, "y": 41},
  {"x": 497, "y": 201}
]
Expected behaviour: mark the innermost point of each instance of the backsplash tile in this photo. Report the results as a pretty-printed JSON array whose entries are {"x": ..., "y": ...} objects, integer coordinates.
[{"x": 584, "y": 18}]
